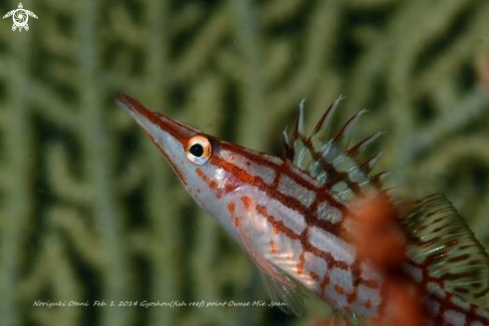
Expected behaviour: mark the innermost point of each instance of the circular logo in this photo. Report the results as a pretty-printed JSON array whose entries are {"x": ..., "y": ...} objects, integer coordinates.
[{"x": 20, "y": 18}]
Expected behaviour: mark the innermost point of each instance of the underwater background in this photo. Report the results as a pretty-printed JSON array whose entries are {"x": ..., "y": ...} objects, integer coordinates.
[{"x": 90, "y": 210}]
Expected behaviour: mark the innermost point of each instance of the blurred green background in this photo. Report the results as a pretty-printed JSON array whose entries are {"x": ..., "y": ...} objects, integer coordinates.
[{"x": 89, "y": 210}]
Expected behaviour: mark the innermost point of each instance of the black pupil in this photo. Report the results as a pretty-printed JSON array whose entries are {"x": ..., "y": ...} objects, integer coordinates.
[{"x": 197, "y": 150}]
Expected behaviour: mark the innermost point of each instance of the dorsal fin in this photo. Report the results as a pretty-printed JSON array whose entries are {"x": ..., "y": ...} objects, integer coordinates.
[
  {"x": 443, "y": 241},
  {"x": 343, "y": 169}
]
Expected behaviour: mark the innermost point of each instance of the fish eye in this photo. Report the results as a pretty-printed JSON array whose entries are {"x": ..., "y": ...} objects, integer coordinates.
[{"x": 199, "y": 149}]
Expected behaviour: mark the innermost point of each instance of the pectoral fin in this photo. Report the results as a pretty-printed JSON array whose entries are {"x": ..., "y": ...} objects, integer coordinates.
[{"x": 281, "y": 287}]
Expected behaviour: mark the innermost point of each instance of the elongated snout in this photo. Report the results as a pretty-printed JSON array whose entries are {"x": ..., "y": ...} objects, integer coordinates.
[{"x": 169, "y": 135}]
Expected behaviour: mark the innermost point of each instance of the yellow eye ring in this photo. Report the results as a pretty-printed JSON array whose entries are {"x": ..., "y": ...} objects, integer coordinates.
[{"x": 199, "y": 149}]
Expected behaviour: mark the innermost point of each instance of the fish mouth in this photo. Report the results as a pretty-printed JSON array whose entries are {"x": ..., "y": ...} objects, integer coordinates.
[
  {"x": 170, "y": 136},
  {"x": 158, "y": 126}
]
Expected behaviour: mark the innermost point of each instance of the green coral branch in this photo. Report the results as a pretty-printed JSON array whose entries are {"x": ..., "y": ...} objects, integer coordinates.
[
  {"x": 38, "y": 278},
  {"x": 163, "y": 212},
  {"x": 62, "y": 7},
  {"x": 123, "y": 27},
  {"x": 206, "y": 94},
  {"x": 470, "y": 108},
  {"x": 206, "y": 286},
  {"x": 4, "y": 117},
  {"x": 65, "y": 285},
  {"x": 247, "y": 31},
  {"x": 440, "y": 162},
  {"x": 51, "y": 107},
  {"x": 97, "y": 145},
  {"x": 61, "y": 45},
  {"x": 479, "y": 221},
  {"x": 201, "y": 49},
  {"x": 163, "y": 206},
  {"x": 18, "y": 144},
  {"x": 5, "y": 177},
  {"x": 62, "y": 180},
  {"x": 52, "y": 260},
  {"x": 317, "y": 52},
  {"x": 457, "y": 55},
  {"x": 185, "y": 19},
  {"x": 370, "y": 4},
  {"x": 277, "y": 11},
  {"x": 74, "y": 226},
  {"x": 132, "y": 178}
]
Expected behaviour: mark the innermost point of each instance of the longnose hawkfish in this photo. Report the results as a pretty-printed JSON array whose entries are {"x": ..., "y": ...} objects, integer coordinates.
[{"x": 296, "y": 218}]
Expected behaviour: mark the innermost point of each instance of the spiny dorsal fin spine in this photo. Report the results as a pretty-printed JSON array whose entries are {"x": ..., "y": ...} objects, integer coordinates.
[
  {"x": 369, "y": 163},
  {"x": 299, "y": 122},
  {"x": 328, "y": 115},
  {"x": 377, "y": 178},
  {"x": 334, "y": 161},
  {"x": 344, "y": 129},
  {"x": 288, "y": 152},
  {"x": 364, "y": 143}
]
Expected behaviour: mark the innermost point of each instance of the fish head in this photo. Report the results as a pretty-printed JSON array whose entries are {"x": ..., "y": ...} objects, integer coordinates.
[{"x": 193, "y": 156}]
